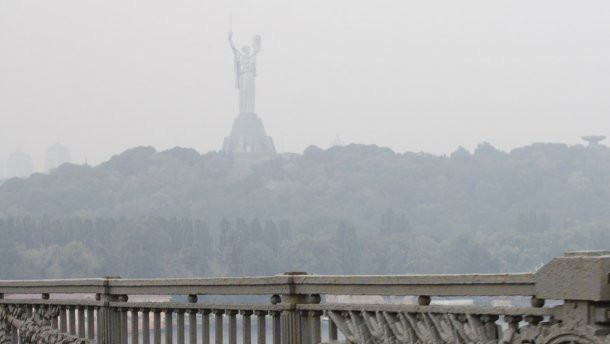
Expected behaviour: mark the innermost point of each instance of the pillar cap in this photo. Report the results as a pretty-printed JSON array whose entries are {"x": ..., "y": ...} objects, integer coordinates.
[{"x": 583, "y": 275}]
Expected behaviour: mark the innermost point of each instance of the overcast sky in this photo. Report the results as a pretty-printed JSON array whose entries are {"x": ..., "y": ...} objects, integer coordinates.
[{"x": 101, "y": 76}]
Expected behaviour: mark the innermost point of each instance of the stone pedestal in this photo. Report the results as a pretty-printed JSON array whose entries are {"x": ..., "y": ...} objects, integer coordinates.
[{"x": 248, "y": 137}]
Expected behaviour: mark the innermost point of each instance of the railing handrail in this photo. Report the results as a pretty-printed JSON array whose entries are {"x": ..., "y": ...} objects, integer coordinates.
[
  {"x": 67, "y": 286},
  {"x": 438, "y": 285},
  {"x": 549, "y": 282},
  {"x": 520, "y": 284}
]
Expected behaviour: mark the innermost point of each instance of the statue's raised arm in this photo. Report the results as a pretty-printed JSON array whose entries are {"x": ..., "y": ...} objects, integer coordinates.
[
  {"x": 256, "y": 43},
  {"x": 235, "y": 50}
]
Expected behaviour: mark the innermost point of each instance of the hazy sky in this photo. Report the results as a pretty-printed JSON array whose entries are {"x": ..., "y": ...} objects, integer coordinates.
[{"x": 103, "y": 76}]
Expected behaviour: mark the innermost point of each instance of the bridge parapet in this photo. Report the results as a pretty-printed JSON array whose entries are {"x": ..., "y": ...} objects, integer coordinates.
[{"x": 566, "y": 301}]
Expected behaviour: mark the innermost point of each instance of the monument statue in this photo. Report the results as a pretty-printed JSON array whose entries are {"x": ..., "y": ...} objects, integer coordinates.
[
  {"x": 245, "y": 72},
  {"x": 248, "y": 136}
]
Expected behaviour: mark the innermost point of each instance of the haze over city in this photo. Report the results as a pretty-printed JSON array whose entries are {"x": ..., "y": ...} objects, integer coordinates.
[
  {"x": 304, "y": 172},
  {"x": 101, "y": 77}
]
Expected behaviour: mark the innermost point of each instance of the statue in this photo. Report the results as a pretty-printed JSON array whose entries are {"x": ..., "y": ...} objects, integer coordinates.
[
  {"x": 245, "y": 72},
  {"x": 248, "y": 136}
]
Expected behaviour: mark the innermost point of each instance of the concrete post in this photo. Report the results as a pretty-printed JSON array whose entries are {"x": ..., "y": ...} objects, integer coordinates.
[
  {"x": 290, "y": 320},
  {"x": 108, "y": 333},
  {"x": 582, "y": 280},
  {"x": 294, "y": 325}
]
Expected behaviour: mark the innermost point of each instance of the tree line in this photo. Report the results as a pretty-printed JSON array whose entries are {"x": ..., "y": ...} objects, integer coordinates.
[
  {"x": 171, "y": 247},
  {"x": 342, "y": 210}
]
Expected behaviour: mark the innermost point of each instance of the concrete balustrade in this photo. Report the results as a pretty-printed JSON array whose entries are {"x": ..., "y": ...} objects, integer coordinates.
[{"x": 568, "y": 301}]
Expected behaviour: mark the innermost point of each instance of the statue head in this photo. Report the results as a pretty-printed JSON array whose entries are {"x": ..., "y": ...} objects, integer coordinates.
[{"x": 246, "y": 50}]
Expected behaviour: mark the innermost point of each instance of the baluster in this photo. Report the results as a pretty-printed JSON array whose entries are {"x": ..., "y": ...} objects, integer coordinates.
[
  {"x": 205, "y": 326},
  {"x": 333, "y": 334},
  {"x": 246, "y": 327},
  {"x": 145, "y": 326},
  {"x": 157, "y": 321},
  {"x": 55, "y": 323},
  {"x": 232, "y": 326},
  {"x": 218, "y": 328},
  {"x": 169, "y": 327},
  {"x": 277, "y": 329},
  {"x": 112, "y": 326},
  {"x": 316, "y": 331},
  {"x": 305, "y": 326},
  {"x": 90, "y": 322},
  {"x": 192, "y": 326},
  {"x": 180, "y": 327},
  {"x": 100, "y": 331},
  {"x": 119, "y": 325},
  {"x": 115, "y": 325},
  {"x": 63, "y": 320},
  {"x": 135, "y": 335},
  {"x": 124, "y": 326},
  {"x": 81, "y": 322},
  {"x": 72, "y": 320},
  {"x": 120, "y": 328},
  {"x": 29, "y": 310},
  {"x": 261, "y": 327}
]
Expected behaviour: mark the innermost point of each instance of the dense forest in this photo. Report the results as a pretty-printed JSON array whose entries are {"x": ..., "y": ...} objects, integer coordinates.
[{"x": 352, "y": 209}]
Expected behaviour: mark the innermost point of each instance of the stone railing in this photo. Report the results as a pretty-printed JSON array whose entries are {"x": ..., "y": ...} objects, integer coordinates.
[{"x": 566, "y": 301}]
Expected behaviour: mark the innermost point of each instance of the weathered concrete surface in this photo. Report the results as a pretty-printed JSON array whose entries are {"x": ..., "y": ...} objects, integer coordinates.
[{"x": 576, "y": 276}]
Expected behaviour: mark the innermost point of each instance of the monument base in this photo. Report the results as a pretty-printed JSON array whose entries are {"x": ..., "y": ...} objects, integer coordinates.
[{"x": 248, "y": 136}]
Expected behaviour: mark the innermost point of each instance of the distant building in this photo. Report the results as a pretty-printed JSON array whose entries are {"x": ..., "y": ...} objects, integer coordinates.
[
  {"x": 56, "y": 156},
  {"x": 19, "y": 164},
  {"x": 594, "y": 140}
]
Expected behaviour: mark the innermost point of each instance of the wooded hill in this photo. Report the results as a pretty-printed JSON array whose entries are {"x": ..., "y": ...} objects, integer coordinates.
[
  {"x": 490, "y": 205},
  {"x": 538, "y": 186}
]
